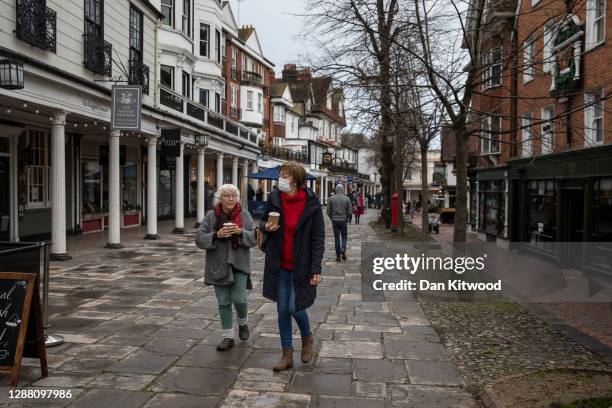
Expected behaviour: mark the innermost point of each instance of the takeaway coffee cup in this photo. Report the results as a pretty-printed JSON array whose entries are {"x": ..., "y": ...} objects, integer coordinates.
[
  {"x": 228, "y": 224},
  {"x": 273, "y": 217}
]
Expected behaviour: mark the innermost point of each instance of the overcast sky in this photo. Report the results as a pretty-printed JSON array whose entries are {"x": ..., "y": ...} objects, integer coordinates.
[{"x": 276, "y": 27}]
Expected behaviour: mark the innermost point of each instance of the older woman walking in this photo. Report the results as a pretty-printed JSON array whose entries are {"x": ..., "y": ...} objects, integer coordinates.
[
  {"x": 294, "y": 252},
  {"x": 227, "y": 233}
]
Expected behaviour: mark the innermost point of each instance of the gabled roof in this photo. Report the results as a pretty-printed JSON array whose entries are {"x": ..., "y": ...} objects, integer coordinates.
[
  {"x": 228, "y": 17},
  {"x": 277, "y": 89},
  {"x": 248, "y": 35}
]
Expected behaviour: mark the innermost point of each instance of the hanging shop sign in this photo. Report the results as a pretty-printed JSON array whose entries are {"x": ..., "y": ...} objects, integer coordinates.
[
  {"x": 170, "y": 143},
  {"x": 327, "y": 160},
  {"x": 126, "y": 107}
]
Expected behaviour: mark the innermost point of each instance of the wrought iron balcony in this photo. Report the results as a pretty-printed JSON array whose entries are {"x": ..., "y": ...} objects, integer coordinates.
[
  {"x": 284, "y": 153},
  {"x": 171, "y": 99},
  {"x": 36, "y": 24},
  {"x": 252, "y": 78},
  {"x": 98, "y": 55},
  {"x": 139, "y": 75}
]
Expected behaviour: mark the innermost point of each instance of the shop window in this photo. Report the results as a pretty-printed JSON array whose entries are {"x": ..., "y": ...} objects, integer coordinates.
[
  {"x": 39, "y": 168},
  {"x": 130, "y": 187},
  {"x": 492, "y": 206},
  {"x": 601, "y": 224},
  {"x": 542, "y": 224},
  {"x": 91, "y": 188}
]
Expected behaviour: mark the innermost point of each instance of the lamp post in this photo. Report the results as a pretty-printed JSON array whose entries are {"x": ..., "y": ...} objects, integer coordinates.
[{"x": 11, "y": 74}]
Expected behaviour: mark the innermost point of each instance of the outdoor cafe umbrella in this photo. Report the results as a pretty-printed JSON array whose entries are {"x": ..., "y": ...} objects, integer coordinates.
[{"x": 272, "y": 174}]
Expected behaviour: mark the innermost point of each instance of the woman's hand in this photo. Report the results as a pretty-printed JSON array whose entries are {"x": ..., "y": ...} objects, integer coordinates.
[
  {"x": 269, "y": 227},
  {"x": 224, "y": 232},
  {"x": 315, "y": 280}
]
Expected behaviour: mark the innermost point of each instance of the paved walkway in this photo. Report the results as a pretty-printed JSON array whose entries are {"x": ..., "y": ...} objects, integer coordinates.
[{"x": 141, "y": 331}]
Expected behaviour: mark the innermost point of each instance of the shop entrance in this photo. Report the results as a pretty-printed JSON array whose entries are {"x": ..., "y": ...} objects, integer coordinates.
[
  {"x": 572, "y": 213},
  {"x": 5, "y": 202}
]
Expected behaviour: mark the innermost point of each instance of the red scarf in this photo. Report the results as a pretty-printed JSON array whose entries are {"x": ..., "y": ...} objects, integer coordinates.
[
  {"x": 233, "y": 217},
  {"x": 293, "y": 207}
]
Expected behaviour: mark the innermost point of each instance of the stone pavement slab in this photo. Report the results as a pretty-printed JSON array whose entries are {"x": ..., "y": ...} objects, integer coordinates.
[{"x": 141, "y": 331}]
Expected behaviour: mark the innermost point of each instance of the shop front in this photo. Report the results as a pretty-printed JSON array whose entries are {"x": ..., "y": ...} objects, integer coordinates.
[
  {"x": 562, "y": 207},
  {"x": 94, "y": 177},
  {"x": 491, "y": 206}
]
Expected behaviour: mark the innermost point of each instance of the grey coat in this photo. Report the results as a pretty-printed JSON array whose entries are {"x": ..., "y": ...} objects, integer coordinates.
[
  {"x": 339, "y": 207},
  {"x": 221, "y": 258}
]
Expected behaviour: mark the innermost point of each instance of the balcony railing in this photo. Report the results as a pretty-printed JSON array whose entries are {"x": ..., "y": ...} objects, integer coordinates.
[
  {"x": 98, "y": 55},
  {"x": 200, "y": 112},
  {"x": 252, "y": 78},
  {"x": 171, "y": 99},
  {"x": 284, "y": 154},
  {"x": 344, "y": 168},
  {"x": 36, "y": 24},
  {"x": 139, "y": 75}
]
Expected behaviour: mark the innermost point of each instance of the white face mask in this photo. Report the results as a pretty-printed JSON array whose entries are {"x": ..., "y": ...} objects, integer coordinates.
[{"x": 283, "y": 185}]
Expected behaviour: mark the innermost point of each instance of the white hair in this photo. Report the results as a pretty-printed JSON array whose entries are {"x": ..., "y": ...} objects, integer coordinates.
[{"x": 226, "y": 188}]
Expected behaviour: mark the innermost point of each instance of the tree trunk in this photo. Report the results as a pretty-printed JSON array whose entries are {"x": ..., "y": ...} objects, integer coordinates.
[
  {"x": 461, "y": 153},
  {"x": 424, "y": 188}
]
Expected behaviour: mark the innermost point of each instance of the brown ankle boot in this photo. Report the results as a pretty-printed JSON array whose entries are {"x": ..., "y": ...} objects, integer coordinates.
[
  {"x": 285, "y": 362},
  {"x": 307, "y": 349}
]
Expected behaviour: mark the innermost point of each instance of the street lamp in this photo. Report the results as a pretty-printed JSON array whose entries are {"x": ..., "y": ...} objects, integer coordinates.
[
  {"x": 202, "y": 139},
  {"x": 11, "y": 74}
]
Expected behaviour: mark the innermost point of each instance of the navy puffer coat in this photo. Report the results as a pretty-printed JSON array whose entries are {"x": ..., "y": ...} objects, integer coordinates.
[{"x": 308, "y": 248}]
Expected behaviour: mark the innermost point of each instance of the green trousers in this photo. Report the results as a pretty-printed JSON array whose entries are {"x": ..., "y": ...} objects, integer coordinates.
[{"x": 236, "y": 295}]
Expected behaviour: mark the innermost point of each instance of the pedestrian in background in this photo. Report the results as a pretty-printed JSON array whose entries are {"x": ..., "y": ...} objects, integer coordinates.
[
  {"x": 358, "y": 207},
  {"x": 227, "y": 233},
  {"x": 351, "y": 196},
  {"x": 339, "y": 208},
  {"x": 294, "y": 253}
]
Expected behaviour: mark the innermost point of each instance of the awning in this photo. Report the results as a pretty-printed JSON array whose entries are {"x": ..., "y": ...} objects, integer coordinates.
[{"x": 272, "y": 174}]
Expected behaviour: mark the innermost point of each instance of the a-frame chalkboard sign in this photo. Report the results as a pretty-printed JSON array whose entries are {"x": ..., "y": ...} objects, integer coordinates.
[{"x": 21, "y": 331}]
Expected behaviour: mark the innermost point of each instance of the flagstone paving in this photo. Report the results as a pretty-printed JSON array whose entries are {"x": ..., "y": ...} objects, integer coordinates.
[{"x": 141, "y": 331}]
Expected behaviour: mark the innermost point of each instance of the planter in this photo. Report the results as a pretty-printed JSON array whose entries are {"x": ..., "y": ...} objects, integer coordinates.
[
  {"x": 92, "y": 225},
  {"x": 131, "y": 219}
]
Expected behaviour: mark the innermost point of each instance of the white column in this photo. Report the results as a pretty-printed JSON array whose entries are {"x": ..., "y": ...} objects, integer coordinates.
[
  {"x": 200, "y": 197},
  {"x": 152, "y": 189},
  {"x": 265, "y": 190},
  {"x": 254, "y": 182},
  {"x": 179, "y": 210},
  {"x": 235, "y": 171},
  {"x": 114, "y": 193},
  {"x": 58, "y": 187},
  {"x": 321, "y": 189},
  {"x": 219, "y": 170},
  {"x": 244, "y": 191}
]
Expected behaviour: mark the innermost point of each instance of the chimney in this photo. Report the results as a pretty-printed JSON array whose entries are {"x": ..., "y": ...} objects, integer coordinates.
[
  {"x": 305, "y": 73},
  {"x": 290, "y": 72}
]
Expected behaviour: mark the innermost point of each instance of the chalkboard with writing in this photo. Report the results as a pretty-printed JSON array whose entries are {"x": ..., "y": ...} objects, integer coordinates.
[
  {"x": 12, "y": 301},
  {"x": 20, "y": 319}
]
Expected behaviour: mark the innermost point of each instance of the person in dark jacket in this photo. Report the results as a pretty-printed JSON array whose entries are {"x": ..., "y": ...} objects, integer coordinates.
[{"x": 294, "y": 252}]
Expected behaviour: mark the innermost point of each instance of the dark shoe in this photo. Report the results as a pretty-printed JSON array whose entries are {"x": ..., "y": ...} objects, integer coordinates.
[
  {"x": 226, "y": 344},
  {"x": 344, "y": 255},
  {"x": 337, "y": 259},
  {"x": 307, "y": 349},
  {"x": 243, "y": 332},
  {"x": 285, "y": 362}
]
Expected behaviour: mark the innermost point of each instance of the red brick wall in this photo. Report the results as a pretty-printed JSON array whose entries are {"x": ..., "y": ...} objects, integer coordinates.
[{"x": 534, "y": 95}]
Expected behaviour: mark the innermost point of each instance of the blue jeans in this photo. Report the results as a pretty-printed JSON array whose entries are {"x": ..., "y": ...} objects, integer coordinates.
[
  {"x": 340, "y": 236},
  {"x": 285, "y": 306}
]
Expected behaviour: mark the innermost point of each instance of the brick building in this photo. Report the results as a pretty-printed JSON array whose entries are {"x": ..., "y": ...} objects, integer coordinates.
[{"x": 540, "y": 168}]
